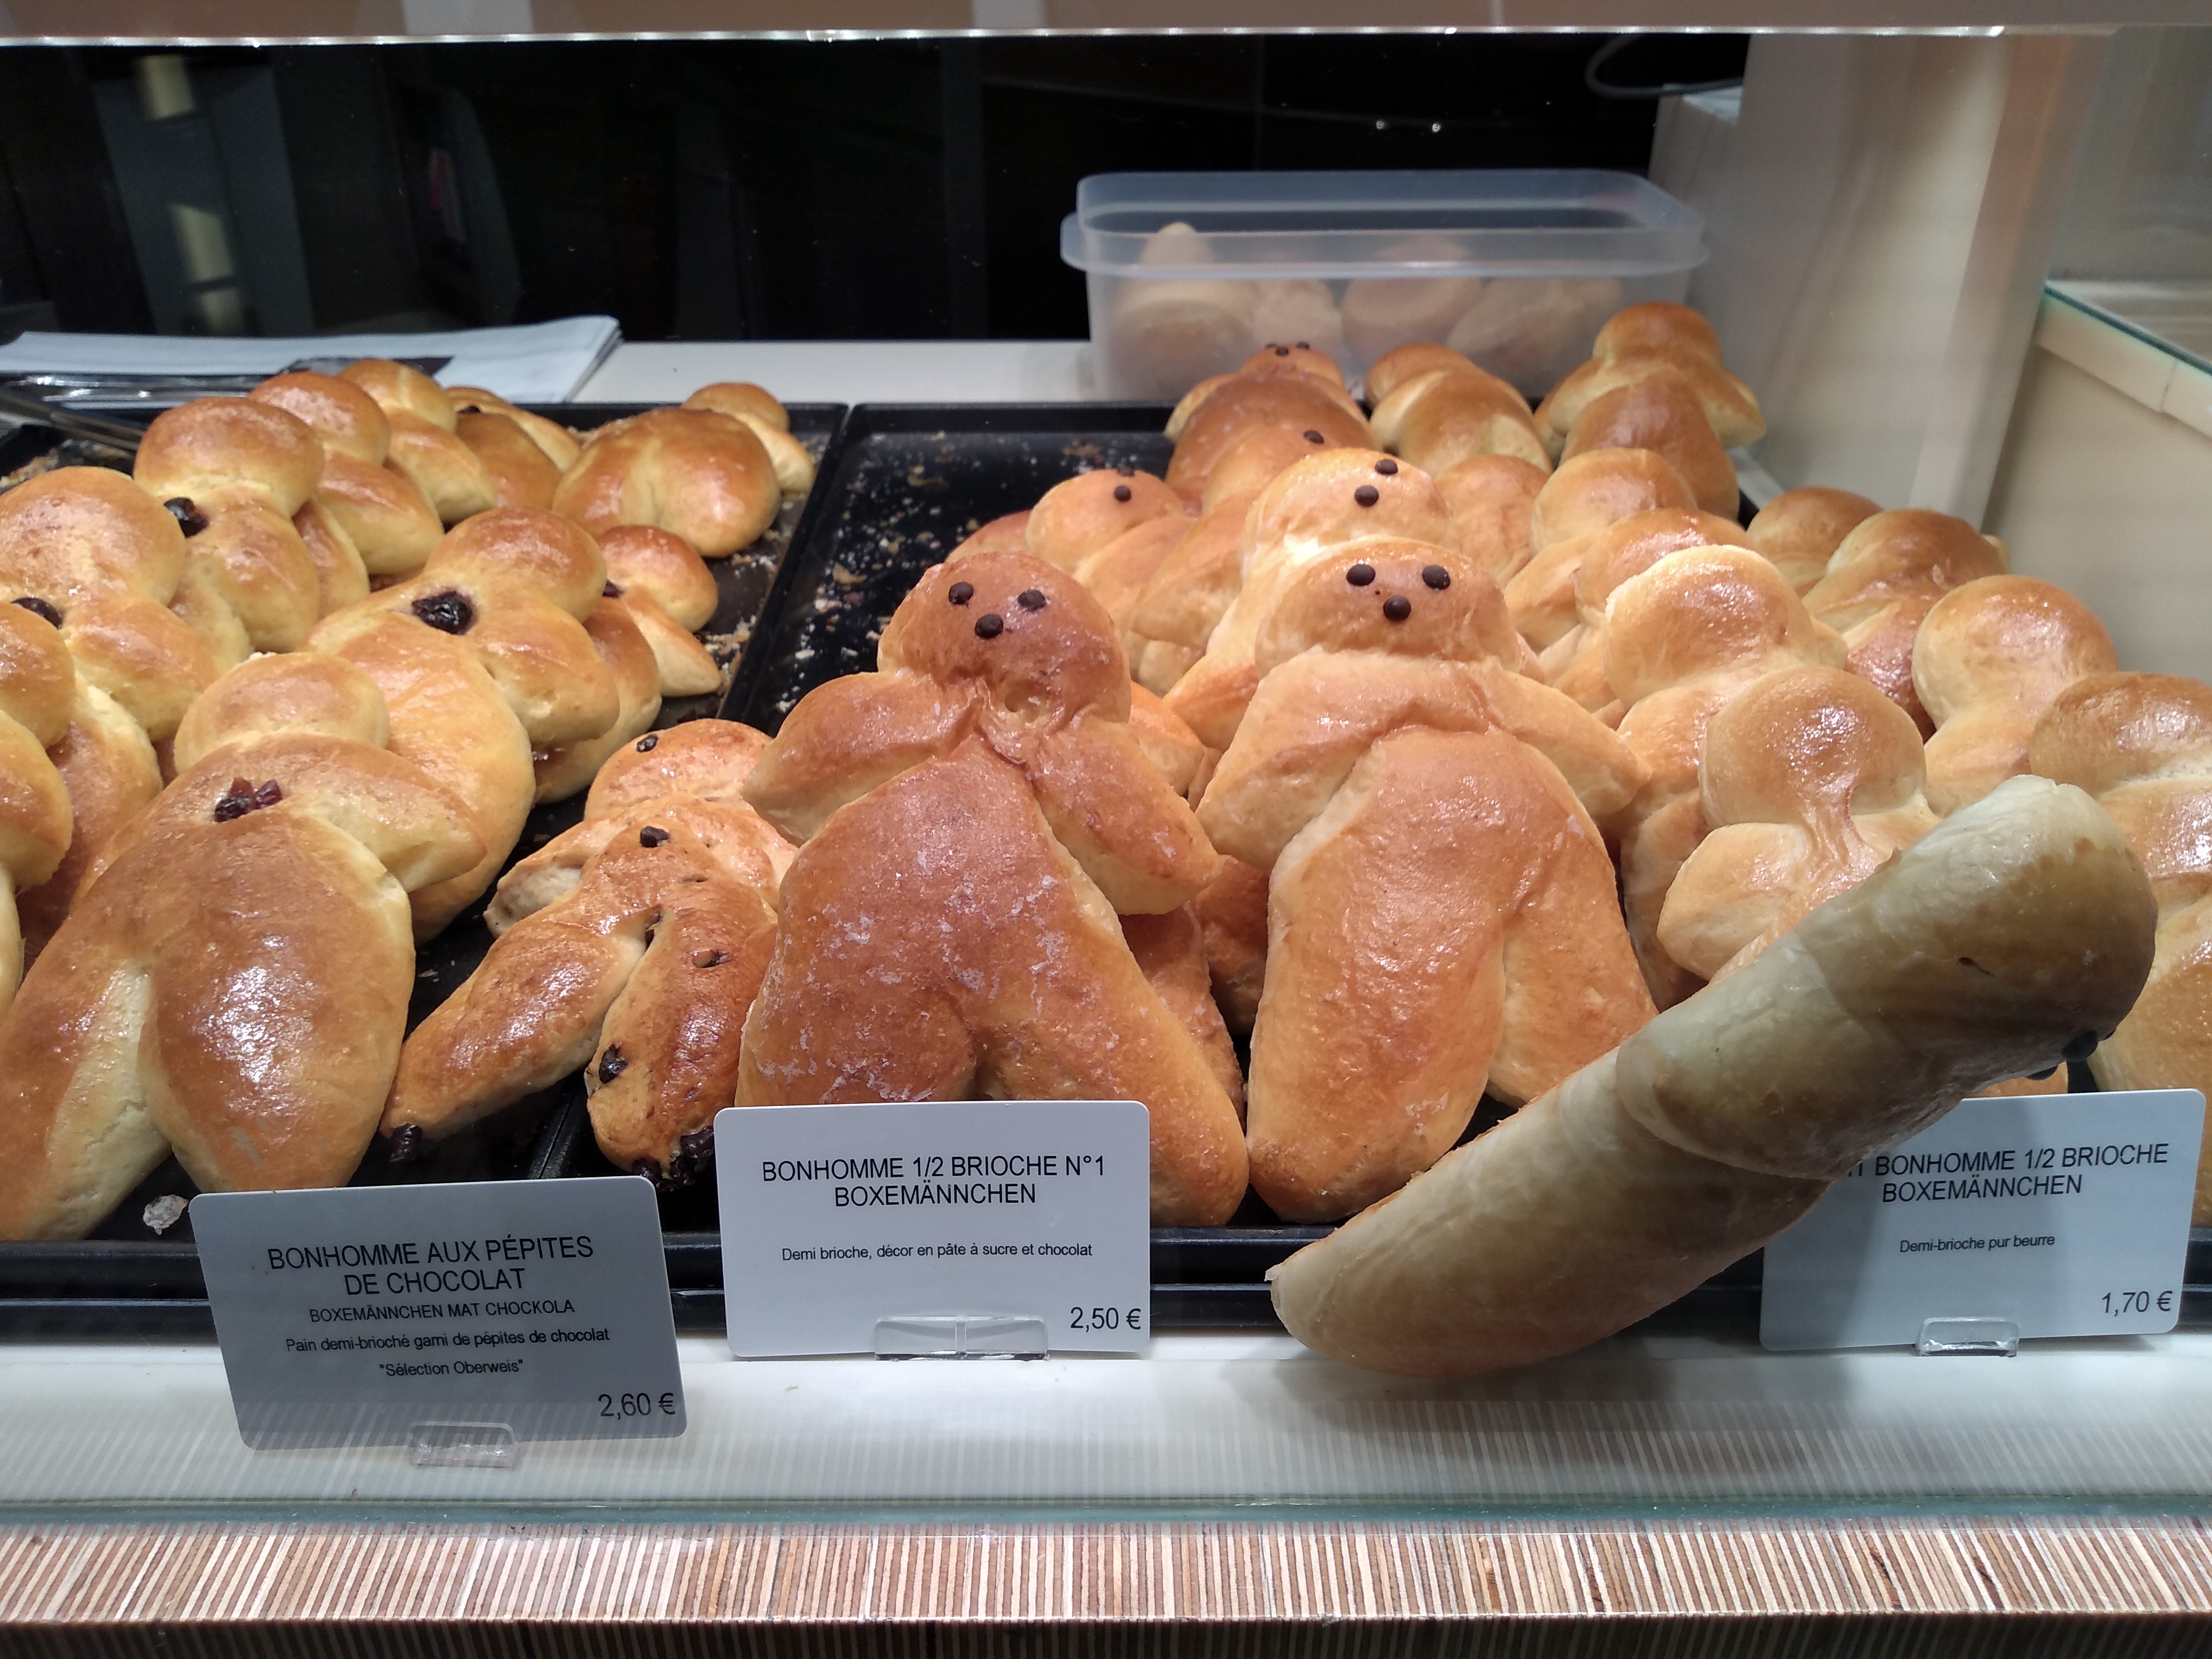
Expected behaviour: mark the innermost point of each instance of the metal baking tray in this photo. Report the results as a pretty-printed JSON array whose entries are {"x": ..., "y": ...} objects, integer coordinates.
[{"x": 126, "y": 1281}]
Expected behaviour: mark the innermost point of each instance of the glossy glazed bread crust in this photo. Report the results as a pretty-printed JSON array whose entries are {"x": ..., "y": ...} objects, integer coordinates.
[
  {"x": 700, "y": 475},
  {"x": 1438, "y": 419},
  {"x": 2018, "y": 929}
]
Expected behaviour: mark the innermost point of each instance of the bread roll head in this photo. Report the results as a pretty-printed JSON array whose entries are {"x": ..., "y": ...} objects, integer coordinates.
[
  {"x": 700, "y": 475},
  {"x": 1657, "y": 325},
  {"x": 2142, "y": 745},
  {"x": 1337, "y": 495},
  {"x": 1244, "y": 402},
  {"x": 1403, "y": 363},
  {"x": 2018, "y": 929},
  {"x": 1659, "y": 415},
  {"x": 1493, "y": 500},
  {"x": 297, "y": 691},
  {"x": 1300, "y": 311},
  {"x": 1598, "y": 487},
  {"x": 210, "y": 442},
  {"x": 522, "y": 475},
  {"x": 1800, "y": 529},
  {"x": 1079, "y": 515},
  {"x": 1438, "y": 419},
  {"x": 705, "y": 759},
  {"x": 399, "y": 390},
  {"x": 1703, "y": 610},
  {"x": 638, "y": 556},
  {"x": 1387, "y": 594},
  {"x": 1254, "y": 459},
  {"x": 558, "y": 444},
  {"x": 390, "y": 522},
  {"x": 1728, "y": 405},
  {"x": 1907, "y": 552},
  {"x": 1303, "y": 358},
  {"x": 345, "y": 417},
  {"x": 1988, "y": 659},
  {"x": 741, "y": 399},
  {"x": 81, "y": 531},
  {"x": 1162, "y": 334}
]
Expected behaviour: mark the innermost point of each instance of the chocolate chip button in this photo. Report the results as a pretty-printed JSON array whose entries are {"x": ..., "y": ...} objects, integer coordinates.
[
  {"x": 1397, "y": 607},
  {"x": 612, "y": 1065},
  {"x": 1367, "y": 494},
  {"x": 1121, "y": 492},
  {"x": 1030, "y": 600},
  {"x": 1282, "y": 351},
  {"x": 1360, "y": 574},
  {"x": 652, "y": 836},
  {"x": 190, "y": 518},
  {"x": 406, "y": 1143},
  {"x": 1314, "y": 437},
  {"x": 242, "y": 797},
  {"x": 990, "y": 625},
  {"x": 1386, "y": 466},
  {"x": 648, "y": 743},
  {"x": 960, "y": 592},
  {"x": 1436, "y": 576},
  {"x": 608, "y": 590},
  {"x": 39, "y": 607},
  {"x": 1304, "y": 346}
]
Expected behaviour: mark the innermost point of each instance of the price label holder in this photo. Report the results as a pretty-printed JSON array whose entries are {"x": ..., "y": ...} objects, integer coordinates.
[
  {"x": 941, "y": 1230},
  {"x": 458, "y": 1320},
  {"x": 2023, "y": 1216}
]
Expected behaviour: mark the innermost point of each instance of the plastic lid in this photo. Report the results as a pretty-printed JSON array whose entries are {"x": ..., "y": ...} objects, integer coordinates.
[{"x": 1546, "y": 222}]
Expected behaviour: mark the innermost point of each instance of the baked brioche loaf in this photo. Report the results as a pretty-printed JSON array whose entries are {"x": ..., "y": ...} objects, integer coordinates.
[
  {"x": 1575, "y": 663},
  {"x": 1588, "y": 494},
  {"x": 1885, "y": 577},
  {"x": 1661, "y": 415},
  {"x": 697, "y": 473},
  {"x": 1649, "y": 341},
  {"x": 972, "y": 816},
  {"x": 1800, "y": 530},
  {"x": 769, "y": 420},
  {"x": 37, "y": 687},
  {"x": 2142, "y": 745},
  {"x": 233, "y": 982},
  {"x": 362, "y": 512},
  {"x": 1681, "y": 639},
  {"x": 426, "y": 447},
  {"x": 1079, "y": 515},
  {"x": 1286, "y": 397},
  {"x": 2016, "y": 931},
  {"x": 1440, "y": 416},
  {"x": 1811, "y": 781},
  {"x": 1989, "y": 659},
  {"x": 1492, "y": 502}
]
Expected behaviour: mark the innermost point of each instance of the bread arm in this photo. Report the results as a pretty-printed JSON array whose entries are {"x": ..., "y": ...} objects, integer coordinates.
[{"x": 2016, "y": 931}]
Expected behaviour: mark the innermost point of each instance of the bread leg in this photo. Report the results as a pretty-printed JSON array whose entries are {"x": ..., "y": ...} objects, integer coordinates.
[{"x": 2018, "y": 929}]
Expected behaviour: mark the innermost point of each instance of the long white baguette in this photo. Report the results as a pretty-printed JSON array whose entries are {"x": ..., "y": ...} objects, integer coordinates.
[{"x": 2016, "y": 931}]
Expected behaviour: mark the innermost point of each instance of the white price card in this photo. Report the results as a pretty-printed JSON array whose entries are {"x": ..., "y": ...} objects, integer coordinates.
[
  {"x": 2067, "y": 1215},
  {"x": 908, "y": 1229},
  {"x": 361, "y": 1315}
]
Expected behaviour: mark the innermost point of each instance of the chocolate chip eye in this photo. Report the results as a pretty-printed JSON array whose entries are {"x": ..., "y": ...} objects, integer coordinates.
[
  {"x": 1397, "y": 607},
  {"x": 1386, "y": 466},
  {"x": 243, "y": 797},
  {"x": 39, "y": 607},
  {"x": 652, "y": 836},
  {"x": 960, "y": 592},
  {"x": 648, "y": 743},
  {"x": 1367, "y": 494},
  {"x": 1121, "y": 492},
  {"x": 612, "y": 1065},
  {"x": 449, "y": 612},
  {"x": 990, "y": 625},
  {"x": 1030, "y": 600},
  {"x": 1304, "y": 346},
  {"x": 1436, "y": 576},
  {"x": 1314, "y": 437},
  {"x": 406, "y": 1143},
  {"x": 1125, "y": 471},
  {"x": 1360, "y": 574},
  {"x": 1282, "y": 351},
  {"x": 190, "y": 518},
  {"x": 609, "y": 591}
]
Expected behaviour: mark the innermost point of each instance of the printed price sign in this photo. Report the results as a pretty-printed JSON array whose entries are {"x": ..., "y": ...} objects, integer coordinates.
[
  {"x": 360, "y": 1315},
  {"x": 842, "y": 1223},
  {"x": 2066, "y": 1215}
]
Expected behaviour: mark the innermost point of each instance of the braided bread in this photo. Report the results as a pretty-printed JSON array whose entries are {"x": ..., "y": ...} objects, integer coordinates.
[
  {"x": 971, "y": 817},
  {"x": 1586, "y": 494},
  {"x": 1441, "y": 908},
  {"x": 37, "y": 680},
  {"x": 1989, "y": 657},
  {"x": 360, "y": 505},
  {"x": 1575, "y": 663},
  {"x": 701, "y": 474},
  {"x": 1800, "y": 529},
  {"x": 769, "y": 422},
  {"x": 426, "y": 447},
  {"x": 2016, "y": 930},
  {"x": 1246, "y": 401},
  {"x": 670, "y": 594},
  {"x": 1681, "y": 640},
  {"x": 555, "y": 441},
  {"x": 1885, "y": 577},
  {"x": 263, "y": 896},
  {"x": 1811, "y": 779},
  {"x": 2141, "y": 744}
]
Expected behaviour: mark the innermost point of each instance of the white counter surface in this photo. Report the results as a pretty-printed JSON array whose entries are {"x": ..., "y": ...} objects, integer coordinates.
[{"x": 850, "y": 371}]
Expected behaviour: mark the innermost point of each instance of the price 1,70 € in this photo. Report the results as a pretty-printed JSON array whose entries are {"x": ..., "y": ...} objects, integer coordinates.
[
  {"x": 1105, "y": 1319},
  {"x": 2119, "y": 1304}
]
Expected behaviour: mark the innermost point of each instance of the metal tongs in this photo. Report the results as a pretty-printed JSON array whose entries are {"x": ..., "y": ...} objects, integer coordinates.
[{"x": 28, "y": 408}]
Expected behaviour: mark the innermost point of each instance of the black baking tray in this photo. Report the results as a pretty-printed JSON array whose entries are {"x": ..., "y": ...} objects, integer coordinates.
[{"x": 125, "y": 1281}]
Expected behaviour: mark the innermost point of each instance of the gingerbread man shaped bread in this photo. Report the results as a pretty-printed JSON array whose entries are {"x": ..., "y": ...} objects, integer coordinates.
[
  {"x": 233, "y": 983},
  {"x": 37, "y": 685},
  {"x": 1441, "y": 907},
  {"x": 631, "y": 946},
  {"x": 972, "y": 816}
]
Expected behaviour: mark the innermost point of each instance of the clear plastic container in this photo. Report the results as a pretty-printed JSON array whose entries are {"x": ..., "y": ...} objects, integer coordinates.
[{"x": 1191, "y": 272}]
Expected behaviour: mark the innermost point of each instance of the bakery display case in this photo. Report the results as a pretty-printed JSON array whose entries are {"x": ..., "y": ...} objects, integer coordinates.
[{"x": 1572, "y": 654}]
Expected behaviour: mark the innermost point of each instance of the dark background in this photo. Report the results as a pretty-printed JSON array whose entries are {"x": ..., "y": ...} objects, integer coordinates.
[{"x": 739, "y": 190}]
